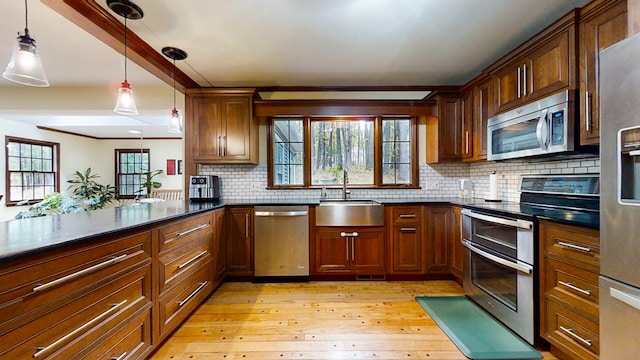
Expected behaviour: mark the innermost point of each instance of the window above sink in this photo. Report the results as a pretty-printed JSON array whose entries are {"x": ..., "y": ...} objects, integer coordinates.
[{"x": 313, "y": 152}]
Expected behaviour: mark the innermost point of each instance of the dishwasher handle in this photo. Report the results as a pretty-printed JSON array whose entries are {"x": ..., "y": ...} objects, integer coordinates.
[{"x": 281, "y": 213}]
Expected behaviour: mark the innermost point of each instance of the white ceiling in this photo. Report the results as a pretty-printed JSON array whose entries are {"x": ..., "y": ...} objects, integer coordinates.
[{"x": 258, "y": 43}]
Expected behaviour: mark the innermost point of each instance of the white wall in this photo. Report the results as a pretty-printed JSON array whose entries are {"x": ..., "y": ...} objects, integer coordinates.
[{"x": 79, "y": 153}]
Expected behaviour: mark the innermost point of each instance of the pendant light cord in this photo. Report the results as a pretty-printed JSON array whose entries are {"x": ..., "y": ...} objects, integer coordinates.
[
  {"x": 174, "y": 82},
  {"x": 26, "y": 19},
  {"x": 125, "y": 48}
]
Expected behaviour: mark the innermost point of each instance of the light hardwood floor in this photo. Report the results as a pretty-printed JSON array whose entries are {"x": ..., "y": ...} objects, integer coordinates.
[{"x": 315, "y": 321}]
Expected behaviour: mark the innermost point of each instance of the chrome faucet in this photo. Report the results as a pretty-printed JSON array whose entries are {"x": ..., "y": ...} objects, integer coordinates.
[{"x": 345, "y": 179}]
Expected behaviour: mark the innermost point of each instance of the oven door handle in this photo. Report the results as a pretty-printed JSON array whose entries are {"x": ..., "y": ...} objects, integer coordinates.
[
  {"x": 519, "y": 267},
  {"x": 524, "y": 224}
]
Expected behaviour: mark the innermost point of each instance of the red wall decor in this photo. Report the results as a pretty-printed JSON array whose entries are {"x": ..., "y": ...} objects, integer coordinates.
[{"x": 171, "y": 166}]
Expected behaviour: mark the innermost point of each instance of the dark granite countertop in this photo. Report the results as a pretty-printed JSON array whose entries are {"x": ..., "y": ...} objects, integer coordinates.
[
  {"x": 27, "y": 236},
  {"x": 23, "y": 237}
]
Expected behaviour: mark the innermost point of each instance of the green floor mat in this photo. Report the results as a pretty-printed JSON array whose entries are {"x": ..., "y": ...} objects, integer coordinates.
[{"x": 474, "y": 331}]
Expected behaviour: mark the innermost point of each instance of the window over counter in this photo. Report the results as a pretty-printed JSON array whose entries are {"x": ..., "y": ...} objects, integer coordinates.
[
  {"x": 131, "y": 164},
  {"x": 32, "y": 169},
  {"x": 313, "y": 151}
]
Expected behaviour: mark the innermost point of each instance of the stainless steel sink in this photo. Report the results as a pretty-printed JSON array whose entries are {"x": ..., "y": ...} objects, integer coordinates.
[{"x": 349, "y": 212}]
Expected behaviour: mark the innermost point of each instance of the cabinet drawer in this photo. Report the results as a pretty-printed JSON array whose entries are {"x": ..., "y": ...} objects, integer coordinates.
[
  {"x": 129, "y": 342},
  {"x": 573, "y": 244},
  {"x": 179, "y": 301},
  {"x": 407, "y": 214},
  {"x": 27, "y": 291},
  {"x": 571, "y": 333},
  {"x": 180, "y": 232},
  {"x": 72, "y": 328},
  {"x": 577, "y": 287},
  {"x": 175, "y": 264}
]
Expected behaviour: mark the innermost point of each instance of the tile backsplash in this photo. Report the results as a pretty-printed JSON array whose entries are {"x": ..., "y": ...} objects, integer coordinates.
[{"x": 247, "y": 183}]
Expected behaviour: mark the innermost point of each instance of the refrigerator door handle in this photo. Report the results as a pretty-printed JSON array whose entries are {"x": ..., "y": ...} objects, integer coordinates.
[{"x": 626, "y": 298}]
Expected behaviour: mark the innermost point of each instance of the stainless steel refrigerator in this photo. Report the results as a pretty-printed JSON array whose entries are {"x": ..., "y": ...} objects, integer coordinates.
[{"x": 620, "y": 200}]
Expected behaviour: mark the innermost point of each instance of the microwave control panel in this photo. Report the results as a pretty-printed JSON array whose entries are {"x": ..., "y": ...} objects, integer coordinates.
[{"x": 557, "y": 128}]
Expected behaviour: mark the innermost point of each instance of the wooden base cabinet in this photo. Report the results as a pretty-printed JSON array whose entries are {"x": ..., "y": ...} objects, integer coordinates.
[
  {"x": 569, "y": 293},
  {"x": 438, "y": 230},
  {"x": 350, "y": 251},
  {"x": 77, "y": 302},
  {"x": 185, "y": 271},
  {"x": 456, "y": 243},
  {"x": 219, "y": 247},
  {"x": 406, "y": 239},
  {"x": 239, "y": 237}
]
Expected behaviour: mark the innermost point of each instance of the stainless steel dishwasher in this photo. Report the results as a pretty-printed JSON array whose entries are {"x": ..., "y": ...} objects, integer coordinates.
[{"x": 281, "y": 243}]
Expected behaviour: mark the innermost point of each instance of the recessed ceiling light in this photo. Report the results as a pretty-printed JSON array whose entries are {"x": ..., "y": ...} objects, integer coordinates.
[{"x": 135, "y": 132}]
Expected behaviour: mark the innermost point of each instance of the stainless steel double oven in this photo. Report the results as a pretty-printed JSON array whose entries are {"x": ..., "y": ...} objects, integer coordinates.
[{"x": 499, "y": 269}]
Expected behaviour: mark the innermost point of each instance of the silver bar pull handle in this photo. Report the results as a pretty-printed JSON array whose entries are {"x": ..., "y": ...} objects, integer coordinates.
[
  {"x": 199, "y": 227},
  {"x": 224, "y": 148},
  {"x": 524, "y": 224},
  {"x": 519, "y": 88},
  {"x": 628, "y": 299},
  {"x": 219, "y": 147},
  {"x": 574, "y": 247},
  {"x": 408, "y": 229},
  {"x": 576, "y": 336},
  {"x": 353, "y": 249},
  {"x": 346, "y": 234},
  {"x": 80, "y": 273},
  {"x": 515, "y": 266},
  {"x": 280, "y": 213},
  {"x": 202, "y": 285},
  {"x": 524, "y": 79},
  {"x": 407, "y": 216},
  {"x": 79, "y": 330},
  {"x": 121, "y": 357},
  {"x": 192, "y": 259},
  {"x": 573, "y": 287},
  {"x": 466, "y": 141},
  {"x": 587, "y": 111}
]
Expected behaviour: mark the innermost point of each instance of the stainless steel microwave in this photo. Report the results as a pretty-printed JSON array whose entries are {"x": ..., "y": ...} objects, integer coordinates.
[{"x": 543, "y": 127}]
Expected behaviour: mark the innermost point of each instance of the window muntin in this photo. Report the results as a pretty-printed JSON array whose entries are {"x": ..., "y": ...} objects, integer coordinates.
[
  {"x": 131, "y": 164},
  {"x": 32, "y": 169},
  {"x": 397, "y": 157},
  {"x": 288, "y": 152},
  {"x": 338, "y": 145},
  {"x": 376, "y": 151}
]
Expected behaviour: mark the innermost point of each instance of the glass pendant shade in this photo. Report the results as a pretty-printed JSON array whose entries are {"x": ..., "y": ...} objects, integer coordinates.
[
  {"x": 25, "y": 66},
  {"x": 126, "y": 104},
  {"x": 175, "y": 122}
]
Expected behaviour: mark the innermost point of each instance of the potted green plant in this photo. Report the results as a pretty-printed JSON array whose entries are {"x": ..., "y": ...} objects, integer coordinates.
[
  {"x": 148, "y": 183},
  {"x": 84, "y": 186}
]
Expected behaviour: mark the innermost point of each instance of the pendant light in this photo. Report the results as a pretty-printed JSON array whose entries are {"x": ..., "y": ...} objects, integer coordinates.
[
  {"x": 25, "y": 66},
  {"x": 175, "y": 121},
  {"x": 125, "y": 104}
]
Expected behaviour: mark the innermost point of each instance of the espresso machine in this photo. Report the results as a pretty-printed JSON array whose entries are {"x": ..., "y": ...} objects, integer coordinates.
[{"x": 204, "y": 188}]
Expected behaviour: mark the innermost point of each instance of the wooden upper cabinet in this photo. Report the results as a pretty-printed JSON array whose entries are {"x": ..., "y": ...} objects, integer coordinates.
[
  {"x": 221, "y": 126},
  {"x": 541, "y": 66},
  {"x": 444, "y": 132},
  {"x": 482, "y": 111},
  {"x": 602, "y": 24},
  {"x": 466, "y": 113}
]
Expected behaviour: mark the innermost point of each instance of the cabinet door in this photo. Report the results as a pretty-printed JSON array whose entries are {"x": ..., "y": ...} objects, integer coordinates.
[
  {"x": 456, "y": 243},
  {"x": 444, "y": 132},
  {"x": 466, "y": 111},
  {"x": 219, "y": 246},
  {"x": 508, "y": 87},
  {"x": 237, "y": 133},
  {"x": 367, "y": 251},
  {"x": 240, "y": 242},
  {"x": 438, "y": 239},
  {"x": 208, "y": 125},
  {"x": 547, "y": 69},
  {"x": 602, "y": 24},
  {"x": 406, "y": 240},
  {"x": 332, "y": 252},
  {"x": 482, "y": 111}
]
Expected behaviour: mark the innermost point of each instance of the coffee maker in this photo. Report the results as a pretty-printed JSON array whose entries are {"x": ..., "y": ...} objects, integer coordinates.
[{"x": 204, "y": 188}]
